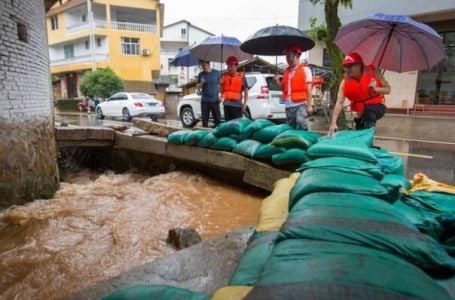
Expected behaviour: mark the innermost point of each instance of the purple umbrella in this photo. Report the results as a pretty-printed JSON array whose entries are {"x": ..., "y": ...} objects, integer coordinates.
[{"x": 392, "y": 42}]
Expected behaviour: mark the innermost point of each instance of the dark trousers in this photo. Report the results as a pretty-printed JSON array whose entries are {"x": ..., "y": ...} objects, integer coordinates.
[
  {"x": 206, "y": 108},
  {"x": 371, "y": 114},
  {"x": 232, "y": 112}
]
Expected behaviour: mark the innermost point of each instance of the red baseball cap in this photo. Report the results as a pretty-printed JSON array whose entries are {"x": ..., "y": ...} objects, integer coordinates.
[
  {"x": 232, "y": 60},
  {"x": 294, "y": 48},
  {"x": 352, "y": 58}
]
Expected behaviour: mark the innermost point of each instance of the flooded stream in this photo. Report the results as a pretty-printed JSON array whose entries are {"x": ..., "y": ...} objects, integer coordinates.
[{"x": 99, "y": 225}]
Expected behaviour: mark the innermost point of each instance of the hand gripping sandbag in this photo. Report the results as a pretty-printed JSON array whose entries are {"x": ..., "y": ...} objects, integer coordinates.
[
  {"x": 224, "y": 144},
  {"x": 296, "y": 139},
  {"x": 236, "y": 126},
  {"x": 344, "y": 164},
  {"x": 195, "y": 137},
  {"x": 365, "y": 136},
  {"x": 247, "y": 148},
  {"x": 156, "y": 292},
  {"x": 267, "y": 134},
  {"x": 266, "y": 151},
  {"x": 255, "y": 126},
  {"x": 290, "y": 157},
  {"x": 308, "y": 269},
  {"x": 367, "y": 222},
  {"x": 341, "y": 148},
  {"x": 178, "y": 137},
  {"x": 322, "y": 180}
]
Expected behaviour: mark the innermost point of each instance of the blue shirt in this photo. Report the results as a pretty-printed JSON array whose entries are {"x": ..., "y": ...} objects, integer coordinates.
[{"x": 211, "y": 86}]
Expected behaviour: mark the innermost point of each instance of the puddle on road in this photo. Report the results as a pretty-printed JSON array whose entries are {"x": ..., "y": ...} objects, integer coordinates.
[{"x": 98, "y": 226}]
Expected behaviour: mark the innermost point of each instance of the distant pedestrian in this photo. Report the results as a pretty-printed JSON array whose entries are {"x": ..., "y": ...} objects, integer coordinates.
[
  {"x": 364, "y": 87},
  {"x": 296, "y": 87},
  {"x": 208, "y": 82},
  {"x": 234, "y": 89}
]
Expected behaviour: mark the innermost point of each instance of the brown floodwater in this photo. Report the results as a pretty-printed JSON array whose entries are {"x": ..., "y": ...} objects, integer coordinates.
[{"x": 99, "y": 225}]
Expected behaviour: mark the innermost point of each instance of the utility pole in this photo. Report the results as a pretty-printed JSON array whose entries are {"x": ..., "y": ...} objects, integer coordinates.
[{"x": 92, "y": 33}]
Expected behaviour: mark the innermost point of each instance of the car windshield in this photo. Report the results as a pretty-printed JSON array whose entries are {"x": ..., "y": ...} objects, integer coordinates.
[
  {"x": 142, "y": 96},
  {"x": 272, "y": 84}
]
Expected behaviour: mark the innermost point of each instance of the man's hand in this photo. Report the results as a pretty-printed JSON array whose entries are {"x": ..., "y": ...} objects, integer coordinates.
[
  {"x": 309, "y": 109},
  {"x": 333, "y": 129}
]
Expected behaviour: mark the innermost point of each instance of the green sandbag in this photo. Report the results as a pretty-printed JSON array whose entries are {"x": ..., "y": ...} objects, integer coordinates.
[
  {"x": 156, "y": 292},
  {"x": 322, "y": 180},
  {"x": 266, "y": 151},
  {"x": 267, "y": 134},
  {"x": 195, "y": 137},
  {"x": 178, "y": 137},
  {"x": 253, "y": 260},
  {"x": 390, "y": 164},
  {"x": 255, "y": 126},
  {"x": 290, "y": 157},
  {"x": 365, "y": 222},
  {"x": 340, "y": 148},
  {"x": 207, "y": 141},
  {"x": 236, "y": 126},
  {"x": 365, "y": 136},
  {"x": 449, "y": 286},
  {"x": 306, "y": 269},
  {"x": 247, "y": 148},
  {"x": 236, "y": 137},
  {"x": 296, "y": 139},
  {"x": 224, "y": 144},
  {"x": 396, "y": 181},
  {"x": 344, "y": 164}
]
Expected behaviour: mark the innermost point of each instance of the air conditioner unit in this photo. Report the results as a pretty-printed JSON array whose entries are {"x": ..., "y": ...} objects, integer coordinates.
[{"x": 146, "y": 52}]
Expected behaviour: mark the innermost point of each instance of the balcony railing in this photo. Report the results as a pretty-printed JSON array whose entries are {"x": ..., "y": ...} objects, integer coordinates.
[
  {"x": 81, "y": 59},
  {"x": 99, "y": 24},
  {"x": 136, "y": 27}
]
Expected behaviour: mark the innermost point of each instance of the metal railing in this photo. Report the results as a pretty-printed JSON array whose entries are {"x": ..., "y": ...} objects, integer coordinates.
[
  {"x": 136, "y": 27},
  {"x": 81, "y": 59},
  {"x": 99, "y": 24}
]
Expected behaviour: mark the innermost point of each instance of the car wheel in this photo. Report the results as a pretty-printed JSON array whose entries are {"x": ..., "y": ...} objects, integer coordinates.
[
  {"x": 187, "y": 117},
  {"x": 126, "y": 115},
  {"x": 99, "y": 113}
]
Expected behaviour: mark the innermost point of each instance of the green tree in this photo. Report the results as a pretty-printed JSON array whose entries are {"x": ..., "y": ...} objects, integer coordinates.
[
  {"x": 100, "y": 83},
  {"x": 327, "y": 32}
]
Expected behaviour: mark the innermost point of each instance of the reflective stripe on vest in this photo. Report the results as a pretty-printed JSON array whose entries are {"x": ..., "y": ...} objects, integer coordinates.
[
  {"x": 299, "y": 87},
  {"x": 232, "y": 87},
  {"x": 359, "y": 92}
]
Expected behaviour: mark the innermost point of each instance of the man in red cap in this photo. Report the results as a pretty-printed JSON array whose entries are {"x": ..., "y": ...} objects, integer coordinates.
[
  {"x": 296, "y": 87},
  {"x": 364, "y": 87},
  {"x": 232, "y": 86}
]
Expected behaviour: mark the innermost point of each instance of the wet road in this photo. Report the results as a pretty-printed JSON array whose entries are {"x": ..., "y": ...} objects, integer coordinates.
[{"x": 431, "y": 154}]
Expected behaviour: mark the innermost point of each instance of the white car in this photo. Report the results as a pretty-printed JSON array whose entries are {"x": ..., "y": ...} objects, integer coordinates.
[
  {"x": 128, "y": 105},
  {"x": 264, "y": 101}
]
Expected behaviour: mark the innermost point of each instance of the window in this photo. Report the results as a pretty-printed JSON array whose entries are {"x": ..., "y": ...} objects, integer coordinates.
[
  {"x": 98, "y": 42},
  {"x": 87, "y": 44},
  {"x": 250, "y": 81},
  {"x": 140, "y": 96},
  {"x": 169, "y": 63},
  {"x": 130, "y": 46},
  {"x": 54, "y": 22},
  {"x": 69, "y": 51},
  {"x": 183, "y": 31},
  {"x": 84, "y": 18},
  {"x": 22, "y": 33}
]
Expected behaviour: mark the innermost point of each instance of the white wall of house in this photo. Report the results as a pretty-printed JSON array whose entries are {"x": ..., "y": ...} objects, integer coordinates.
[{"x": 57, "y": 52}]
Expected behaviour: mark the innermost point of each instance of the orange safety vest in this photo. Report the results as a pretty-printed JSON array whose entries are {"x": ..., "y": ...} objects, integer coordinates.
[
  {"x": 233, "y": 86},
  {"x": 299, "y": 88},
  {"x": 359, "y": 92}
]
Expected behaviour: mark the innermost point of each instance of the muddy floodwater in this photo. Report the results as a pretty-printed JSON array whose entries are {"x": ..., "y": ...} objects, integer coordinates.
[{"x": 99, "y": 225}]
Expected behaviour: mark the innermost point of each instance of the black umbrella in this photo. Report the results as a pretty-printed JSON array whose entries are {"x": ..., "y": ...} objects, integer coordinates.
[{"x": 274, "y": 40}]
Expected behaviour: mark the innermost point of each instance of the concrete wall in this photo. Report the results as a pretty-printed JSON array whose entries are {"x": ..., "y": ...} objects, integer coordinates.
[{"x": 28, "y": 164}]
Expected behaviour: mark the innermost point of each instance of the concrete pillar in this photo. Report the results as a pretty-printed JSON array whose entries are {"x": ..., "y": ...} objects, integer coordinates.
[{"x": 28, "y": 156}]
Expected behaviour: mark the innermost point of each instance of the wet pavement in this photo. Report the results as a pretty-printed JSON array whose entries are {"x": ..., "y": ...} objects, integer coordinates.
[{"x": 426, "y": 144}]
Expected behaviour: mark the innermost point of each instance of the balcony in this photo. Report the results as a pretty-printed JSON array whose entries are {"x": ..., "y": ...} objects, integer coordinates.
[
  {"x": 99, "y": 24},
  {"x": 81, "y": 59},
  {"x": 135, "y": 27}
]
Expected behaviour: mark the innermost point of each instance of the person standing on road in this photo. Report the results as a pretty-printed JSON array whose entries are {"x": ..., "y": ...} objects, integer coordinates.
[
  {"x": 232, "y": 85},
  {"x": 296, "y": 87},
  {"x": 365, "y": 87},
  {"x": 208, "y": 82}
]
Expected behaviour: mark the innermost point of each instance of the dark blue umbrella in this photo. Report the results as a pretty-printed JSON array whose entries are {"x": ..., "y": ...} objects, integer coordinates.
[
  {"x": 184, "y": 58},
  {"x": 392, "y": 42},
  {"x": 218, "y": 49}
]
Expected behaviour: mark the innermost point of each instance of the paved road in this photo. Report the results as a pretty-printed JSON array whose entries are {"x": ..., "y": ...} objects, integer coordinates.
[{"x": 433, "y": 155}]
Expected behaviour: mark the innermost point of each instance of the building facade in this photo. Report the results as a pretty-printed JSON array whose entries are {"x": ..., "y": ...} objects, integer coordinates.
[
  {"x": 176, "y": 36},
  {"x": 428, "y": 87},
  {"x": 28, "y": 156},
  {"x": 122, "y": 35}
]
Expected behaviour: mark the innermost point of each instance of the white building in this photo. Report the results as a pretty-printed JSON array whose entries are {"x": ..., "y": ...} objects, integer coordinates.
[
  {"x": 435, "y": 86},
  {"x": 176, "y": 36}
]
